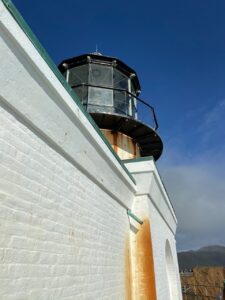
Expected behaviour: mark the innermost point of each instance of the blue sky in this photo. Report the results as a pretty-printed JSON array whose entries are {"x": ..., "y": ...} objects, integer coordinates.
[{"x": 178, "y": 50}]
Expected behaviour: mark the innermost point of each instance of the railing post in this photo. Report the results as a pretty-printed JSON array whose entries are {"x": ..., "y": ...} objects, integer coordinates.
[
  {"x": 87, "y": 100},
  {"x": 82, "y": 94},
  {"x": 126, "y": 104}
]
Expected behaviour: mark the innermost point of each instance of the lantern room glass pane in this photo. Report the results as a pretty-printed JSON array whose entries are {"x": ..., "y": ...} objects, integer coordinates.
[
  {"x": 78, "y": 75},
  {"x": 82, "y": 93},
  {"x": 121, "y": 102},
  {"x": 100, "y": 75},
  {"x": 100, "y": 97},
  {"x": 120, "y": 81}
]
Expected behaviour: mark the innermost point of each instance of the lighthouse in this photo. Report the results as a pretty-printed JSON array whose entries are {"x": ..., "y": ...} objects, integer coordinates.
[{"x": 109, "y": 91}]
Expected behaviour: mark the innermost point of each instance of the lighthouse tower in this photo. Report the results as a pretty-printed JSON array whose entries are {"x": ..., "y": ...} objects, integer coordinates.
[{"x": 109, "y": 90}]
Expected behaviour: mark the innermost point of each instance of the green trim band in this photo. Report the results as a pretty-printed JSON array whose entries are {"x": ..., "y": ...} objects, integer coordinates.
[
  {"x": 34, "y": 40},
  {"x": 130, "y": 214},
  {"x": 139, "y": 159}
]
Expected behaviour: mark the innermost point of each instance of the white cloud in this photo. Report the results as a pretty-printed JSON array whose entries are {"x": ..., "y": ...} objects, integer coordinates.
[
  {"x": 198, "y": 195},
  {"x": 212, "y": 125}
]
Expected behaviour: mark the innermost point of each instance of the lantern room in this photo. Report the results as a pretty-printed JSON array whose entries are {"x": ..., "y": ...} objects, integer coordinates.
[{"x": 109, "y": 91}]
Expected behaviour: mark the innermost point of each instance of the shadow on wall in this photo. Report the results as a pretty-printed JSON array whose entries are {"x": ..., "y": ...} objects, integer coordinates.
[{"x": 171, "y": 272}]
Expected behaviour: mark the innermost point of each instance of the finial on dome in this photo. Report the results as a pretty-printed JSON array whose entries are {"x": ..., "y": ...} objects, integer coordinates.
[{"x": 96, "y": 51}]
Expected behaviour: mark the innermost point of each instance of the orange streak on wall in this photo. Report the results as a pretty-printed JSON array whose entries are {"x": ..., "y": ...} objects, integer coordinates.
[
  {"x": 145, "y": 264},
  {"x": 128, "y": 275},
  {"x": 122, "y": 144}
]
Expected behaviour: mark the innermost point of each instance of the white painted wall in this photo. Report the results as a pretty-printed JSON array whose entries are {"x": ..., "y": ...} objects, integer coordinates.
[
  {"x": 64, "y": 229},
  {"x": 62, "y": 236},
  {"x": 152, "y": 202}
]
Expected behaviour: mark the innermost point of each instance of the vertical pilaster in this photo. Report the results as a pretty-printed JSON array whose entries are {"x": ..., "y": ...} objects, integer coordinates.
[{"x": 141, "y": 253}]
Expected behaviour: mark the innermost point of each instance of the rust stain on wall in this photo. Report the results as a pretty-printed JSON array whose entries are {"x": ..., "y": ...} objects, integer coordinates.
[
  {"x": 145, "y": 274},
  {"x": 128, "y": 275},
  {"x": 115, "y": 141},
  {"x": 122, "y": 144}
]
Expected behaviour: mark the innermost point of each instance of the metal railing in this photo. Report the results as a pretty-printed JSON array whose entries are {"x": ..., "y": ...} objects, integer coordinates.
[{"x": 128, "y": 107}]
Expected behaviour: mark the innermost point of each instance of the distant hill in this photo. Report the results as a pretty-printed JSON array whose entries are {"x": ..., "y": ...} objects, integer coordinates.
[{"x": 206, "y": 256}]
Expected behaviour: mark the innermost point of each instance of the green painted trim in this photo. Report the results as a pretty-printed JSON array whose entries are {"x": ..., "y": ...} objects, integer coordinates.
[
  {"x": 130, "y": 214},
  {"x": 34, "y": 40},
  {"x": 139, "y": 159}
]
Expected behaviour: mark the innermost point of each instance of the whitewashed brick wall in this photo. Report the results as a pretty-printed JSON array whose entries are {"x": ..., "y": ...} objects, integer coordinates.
[{"x": 62, "y": 237}]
